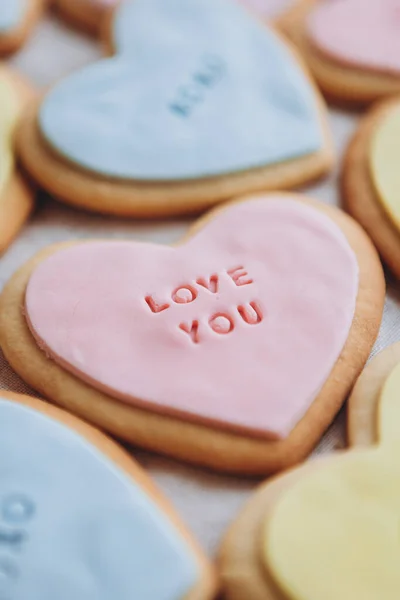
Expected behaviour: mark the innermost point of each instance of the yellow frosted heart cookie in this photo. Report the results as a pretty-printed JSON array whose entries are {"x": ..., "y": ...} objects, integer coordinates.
[
  {"x": 16, "y": 196},
  {"x": 330, "y": 529},
  {"x": 371, "y": 181}
]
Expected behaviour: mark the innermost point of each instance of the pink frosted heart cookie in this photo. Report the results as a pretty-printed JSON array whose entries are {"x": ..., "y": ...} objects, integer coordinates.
[
  {"x": 233, "y": 350},
  {"x": 352, "y": 46}
]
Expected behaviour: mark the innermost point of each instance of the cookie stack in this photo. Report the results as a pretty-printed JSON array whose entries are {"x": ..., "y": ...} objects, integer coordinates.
[{"x": 232, "y": 350}]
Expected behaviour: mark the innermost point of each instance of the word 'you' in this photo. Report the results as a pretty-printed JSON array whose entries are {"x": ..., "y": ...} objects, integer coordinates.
[{"x": 221, "y": 323}]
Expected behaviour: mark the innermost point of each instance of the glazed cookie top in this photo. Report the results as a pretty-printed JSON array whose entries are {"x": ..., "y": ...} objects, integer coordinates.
[
  {"x": 73, "y": 525},
  {"x": 9, "y": 112},
  {"x": 335, "y": 533},
  {"x": 182, "y": 100},
  {"x": 266, "y": 289},
  {"x": 11, "y": 14},
  {"x": 358, "y": 33},
  {"x": 384, "y": 155}
]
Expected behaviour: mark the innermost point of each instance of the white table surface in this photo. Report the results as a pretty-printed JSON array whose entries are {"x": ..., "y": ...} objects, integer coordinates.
[{"x": 207, "y": 502}]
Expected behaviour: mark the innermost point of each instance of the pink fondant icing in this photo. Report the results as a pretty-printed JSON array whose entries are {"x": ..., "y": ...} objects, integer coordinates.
[
  {"x": 239, "y": 327},
  {"x": 363, "y": 33}
]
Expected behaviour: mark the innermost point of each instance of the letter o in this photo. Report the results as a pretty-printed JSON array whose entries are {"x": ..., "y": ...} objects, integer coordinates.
[
  {"x": 221, "y": 323},
  {"x": 184, "y": 294},
  {"x": 17, "y": 509}
]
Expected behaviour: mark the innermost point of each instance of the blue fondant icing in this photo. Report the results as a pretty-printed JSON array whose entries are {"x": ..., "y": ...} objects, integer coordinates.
[
  {"x": 11, "y": 14},
  {"x": 199, "y": 88},
  {"x": 75, "y": 527}
]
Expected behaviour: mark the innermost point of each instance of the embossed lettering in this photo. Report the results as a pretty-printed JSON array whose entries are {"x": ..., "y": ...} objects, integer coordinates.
[
  {"x": 184, "y": 294},
  {"x": 12, "y": 539},
  {"x": 221, "y": 323},
  {"x": 192, "y": 330},
  {"x": 154, "y": 307},
  {"x": 17, "y": 509},
  {"x": 251, "y": 314},
  {"x": 210, "y": 284},
  {"x": 207, "y": 76},
  {"x": 238, "y": 276}
]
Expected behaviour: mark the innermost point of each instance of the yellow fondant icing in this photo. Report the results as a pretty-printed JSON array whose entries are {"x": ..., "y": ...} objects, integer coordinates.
[
  {"x": 385, "y": 163},
  {"x": 335, "y": 535},
  {"x": 9, "y": 111}
]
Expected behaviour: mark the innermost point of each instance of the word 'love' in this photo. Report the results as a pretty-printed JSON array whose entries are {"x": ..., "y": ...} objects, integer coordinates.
[
  {"x": 206, "y": 77},
  {"x": 221, "y": 323},
  {"x": 16, "y": 511}
]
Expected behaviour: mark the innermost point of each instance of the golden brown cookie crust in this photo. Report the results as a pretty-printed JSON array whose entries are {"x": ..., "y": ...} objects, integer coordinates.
[
  {"x": 13, "y": 40},
  {"x": 80, "y": 187},
  {"x": 83, "y": 14},
  {"x": 363, "y": 402},
  {"x": 339, "y": 82},
  {"x": 207, "y": 586},
  {"x": 17, "y": 196},
  {"x": 190, "y": 442},
  {"x": 358, "y": 191}
]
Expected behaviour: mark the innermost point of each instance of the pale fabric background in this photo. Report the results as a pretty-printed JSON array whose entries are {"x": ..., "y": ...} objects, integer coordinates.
[{"x": 207, "y": 502}]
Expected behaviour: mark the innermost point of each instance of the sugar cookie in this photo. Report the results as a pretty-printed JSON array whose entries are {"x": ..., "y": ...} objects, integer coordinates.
[
  {"x": 86, "y": 14},
  {"x": 16, "y": 197},
  {"x": 182, "y": 118},
  {"x": 351, "y": 46},
  {"x": 329, "y": 529},
  {"x": 370, "y": 181},
  {"x": 17, "y": 18},
  {"x": 80, "y": 519},
  {"x": 234, "y": 350}
]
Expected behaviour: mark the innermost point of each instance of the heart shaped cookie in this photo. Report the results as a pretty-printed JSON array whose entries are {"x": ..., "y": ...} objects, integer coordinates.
[
  {"x": 79, "y": 519},
  {"x": 329, "y": 529},
  {"x": 16, "y": 197},
  {"x": 351, "y": 46},
  {"x": 371, "y": 183},
  {"x": 372, "y": 45},
  {"x": 183, "y": 117},
  {"x": 234, "y": 338},
  {"x": 17, "y": 19},
  {"x": 85, "y": 14}
]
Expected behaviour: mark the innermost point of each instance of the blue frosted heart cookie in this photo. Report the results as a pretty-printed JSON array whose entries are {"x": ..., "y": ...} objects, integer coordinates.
[
  {"x": 182, "y": 117},
  {"x": 79, "y": 519},
  {"x": 17, "y": 18}
]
